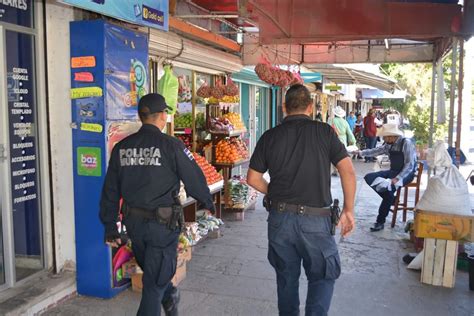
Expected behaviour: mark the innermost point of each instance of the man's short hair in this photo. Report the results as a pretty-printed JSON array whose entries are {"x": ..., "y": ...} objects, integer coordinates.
[
  {"x": 297, "y": 98},
  {"x": 146, "y": 116}
]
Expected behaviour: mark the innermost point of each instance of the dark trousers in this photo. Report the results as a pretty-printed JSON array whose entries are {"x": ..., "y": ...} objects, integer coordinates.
[
  {"x": 155, "y": 249},
  {"x": 370, "y": 142},
  {"x": 388, "y": 197},
  {"x": 294, "y": 239}
]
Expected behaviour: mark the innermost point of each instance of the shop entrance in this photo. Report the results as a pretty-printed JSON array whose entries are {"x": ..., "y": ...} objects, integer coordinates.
[{"x": 21, "y": 244}]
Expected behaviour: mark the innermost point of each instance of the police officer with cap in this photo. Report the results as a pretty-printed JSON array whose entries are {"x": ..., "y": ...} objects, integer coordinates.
[
  {"x": 145, "y": 170},
  {"x": 297, "y": 155}
]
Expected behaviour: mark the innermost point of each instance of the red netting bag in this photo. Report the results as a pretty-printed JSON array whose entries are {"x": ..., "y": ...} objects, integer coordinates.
[
  {"x": 204, "y": 91},
  {"x": 231, "y": 89},
  {"x": 218, "y": 91}
]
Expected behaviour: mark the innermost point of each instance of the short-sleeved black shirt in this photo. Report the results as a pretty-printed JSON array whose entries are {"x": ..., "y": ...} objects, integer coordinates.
[{"x": 297, "y": 155}]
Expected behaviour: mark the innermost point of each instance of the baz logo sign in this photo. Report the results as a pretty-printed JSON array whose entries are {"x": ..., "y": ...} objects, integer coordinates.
[{"x": 89, "y": 161}]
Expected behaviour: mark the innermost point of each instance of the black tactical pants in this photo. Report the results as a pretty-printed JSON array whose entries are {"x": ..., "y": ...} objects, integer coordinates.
[{"x": 155, "y": 249}]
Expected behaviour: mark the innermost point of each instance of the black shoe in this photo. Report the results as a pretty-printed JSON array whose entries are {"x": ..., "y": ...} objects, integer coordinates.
[
  {"x": 171, "y": 305},
  {"x": 377, "y": 227}
]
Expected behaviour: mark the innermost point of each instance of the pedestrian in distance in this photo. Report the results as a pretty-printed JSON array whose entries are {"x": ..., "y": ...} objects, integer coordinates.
[
  {"x": 145, "y": 170},
  {"x": 402, "y": 155},
  {"x": 359, "y": 134},
  {"x": 342, "y": 127},
  {"x": 351, "y": 120},
  {"x": 297, "y": 155},
  {"x": 370, "y": 133}
]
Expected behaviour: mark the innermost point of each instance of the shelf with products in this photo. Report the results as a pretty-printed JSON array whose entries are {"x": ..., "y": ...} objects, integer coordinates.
[{"x": 240, "y": 196}]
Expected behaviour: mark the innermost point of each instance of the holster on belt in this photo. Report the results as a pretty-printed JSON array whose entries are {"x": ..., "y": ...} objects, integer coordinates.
[
  {"x": 335, "y": 216},
  {"x": 177, "y": 218},
  {"x": 172, "y": 216}
]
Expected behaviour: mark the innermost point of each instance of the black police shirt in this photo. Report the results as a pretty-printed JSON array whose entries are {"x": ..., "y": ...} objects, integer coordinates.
[
  {"x": 297, "y": 155},
  {"x": 145, "y": 170}
]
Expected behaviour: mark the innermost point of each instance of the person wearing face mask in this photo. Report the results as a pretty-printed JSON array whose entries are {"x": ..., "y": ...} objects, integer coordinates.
[
  {"x": 145, "y": 171},
  {"x": 402, "y": 155}
]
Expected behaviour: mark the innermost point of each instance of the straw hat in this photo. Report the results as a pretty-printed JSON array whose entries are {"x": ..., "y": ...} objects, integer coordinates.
[
  {"x": 389, "y": 130},
  {"x": 339, "y": 112}
]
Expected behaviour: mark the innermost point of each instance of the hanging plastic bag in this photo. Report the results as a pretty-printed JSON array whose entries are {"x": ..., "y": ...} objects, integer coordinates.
[
  {"x": 446, "y": 192},
  {"x": 168, "y": 87}
]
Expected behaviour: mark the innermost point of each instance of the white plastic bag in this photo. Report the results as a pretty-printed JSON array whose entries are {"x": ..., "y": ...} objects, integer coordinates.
[
  {"x": 446, "y": 192},
  {"x": 417, "y": 262}
]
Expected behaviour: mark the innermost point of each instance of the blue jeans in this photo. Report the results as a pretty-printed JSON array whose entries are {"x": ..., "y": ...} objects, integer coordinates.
[
  {"x": 155, "y": 249},
  {"x": 370, "y": 142},
  {"x": 388, "y": 197},
  {"x": 294, "y": 239}
]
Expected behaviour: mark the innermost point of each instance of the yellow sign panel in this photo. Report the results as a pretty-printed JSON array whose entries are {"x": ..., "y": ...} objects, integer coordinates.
[
  {"x": 444, "y": 226},
  {"x": 79, "y": 93},
  {"x": 91, "y": 127}
]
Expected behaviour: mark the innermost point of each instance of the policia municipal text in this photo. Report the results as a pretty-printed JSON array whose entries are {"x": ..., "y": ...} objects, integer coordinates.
[
  {"x": 145, "y": 170},
  {"x": 297, "y": 155}
]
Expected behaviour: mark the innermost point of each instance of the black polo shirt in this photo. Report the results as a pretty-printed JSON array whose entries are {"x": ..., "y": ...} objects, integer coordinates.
[{"x": 297, "y": 155}]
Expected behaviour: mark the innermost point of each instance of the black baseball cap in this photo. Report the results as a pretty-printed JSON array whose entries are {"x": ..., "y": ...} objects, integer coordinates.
[{"x": 152, "y": 103}]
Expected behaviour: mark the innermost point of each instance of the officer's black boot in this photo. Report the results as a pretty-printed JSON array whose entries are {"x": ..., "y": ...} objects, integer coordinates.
[{"x": 171, "y": 305}]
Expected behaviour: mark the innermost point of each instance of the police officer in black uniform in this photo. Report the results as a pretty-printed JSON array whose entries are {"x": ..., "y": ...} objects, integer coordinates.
[
  {"x": 297, "y": 154},
  {"x": 145, "y": 170}
]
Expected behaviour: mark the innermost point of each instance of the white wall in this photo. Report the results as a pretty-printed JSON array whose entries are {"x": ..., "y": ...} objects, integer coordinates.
[{"x": 58, "y": 17}]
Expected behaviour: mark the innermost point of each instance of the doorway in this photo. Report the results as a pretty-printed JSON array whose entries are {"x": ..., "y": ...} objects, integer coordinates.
[{"x": 21, "y": 243}]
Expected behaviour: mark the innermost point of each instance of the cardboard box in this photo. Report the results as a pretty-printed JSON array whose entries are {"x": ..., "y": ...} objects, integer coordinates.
[
  {"x": 187, "y": 254},
  {"x": 129, "y": 268},
  {"x": 179, "y": 276},
  {"x": 444, "y": 226},
  {"x": 137, "y": 284}
]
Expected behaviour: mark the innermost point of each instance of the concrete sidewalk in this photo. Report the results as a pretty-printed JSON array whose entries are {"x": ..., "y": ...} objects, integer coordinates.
[{"x": 231, "y": 275}]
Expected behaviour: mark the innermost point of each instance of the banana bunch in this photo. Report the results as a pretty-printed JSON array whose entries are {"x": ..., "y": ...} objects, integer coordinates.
[
  {"x": 229, "y": 99},
  {"x": 213, "y": 100}
]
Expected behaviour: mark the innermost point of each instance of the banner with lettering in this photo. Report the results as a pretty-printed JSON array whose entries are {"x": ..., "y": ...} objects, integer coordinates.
[
  {"x": 23, "y": 142},
  {"x": 151, "y": 13},
  {"x": 18, "y": 12}
]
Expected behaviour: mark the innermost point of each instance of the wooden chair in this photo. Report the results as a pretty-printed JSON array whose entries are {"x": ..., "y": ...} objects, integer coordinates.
[{"x": 403, "y": 205}]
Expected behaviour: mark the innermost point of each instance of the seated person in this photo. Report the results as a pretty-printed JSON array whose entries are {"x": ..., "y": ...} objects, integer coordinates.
[{"x": 402, "y": 155}]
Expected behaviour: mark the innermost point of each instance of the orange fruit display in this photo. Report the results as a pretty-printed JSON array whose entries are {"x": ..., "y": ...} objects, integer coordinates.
[
  {"x": 212, "y": 176},
  {"x": 230, "y": 151}
]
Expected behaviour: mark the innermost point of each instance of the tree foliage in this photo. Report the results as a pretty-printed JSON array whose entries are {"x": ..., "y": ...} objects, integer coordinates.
[{"x": 416, "y": 79}]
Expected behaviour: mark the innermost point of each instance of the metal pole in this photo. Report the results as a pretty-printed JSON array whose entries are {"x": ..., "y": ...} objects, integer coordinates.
[
  {"x": 459, "y": 118},
  {"x": 433, "y": 88},
  {"x": 451, "y": 96},
  {"x": 194, "y": 101}
]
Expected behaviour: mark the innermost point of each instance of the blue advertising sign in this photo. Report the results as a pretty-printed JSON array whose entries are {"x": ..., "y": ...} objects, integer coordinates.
[
  {"x": 151, "y": 13},
  {"x": 18, "y": 12},
  {"x": 126, "y": 64},
  {"x": 23, "y": 142}
]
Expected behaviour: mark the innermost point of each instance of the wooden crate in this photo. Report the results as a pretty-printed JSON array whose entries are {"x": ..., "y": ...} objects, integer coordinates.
[{"x": 439, "y": 262}]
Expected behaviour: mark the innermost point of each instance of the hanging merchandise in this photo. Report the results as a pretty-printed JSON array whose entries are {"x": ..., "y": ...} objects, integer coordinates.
[
  {"x": 276, "y": 76},
  {"x": 204, "y": 91},
  {"x": 185, "y": 94},
  {"x": 218, "y": 91},
  {"x": 231, "y": 89},
  {"x": 168, "y": 87}
]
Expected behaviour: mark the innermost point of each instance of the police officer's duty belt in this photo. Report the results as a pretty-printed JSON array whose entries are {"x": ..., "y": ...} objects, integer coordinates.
[
  {"x": 300, "y": 209},
  {"x": 160, "y": 214}
]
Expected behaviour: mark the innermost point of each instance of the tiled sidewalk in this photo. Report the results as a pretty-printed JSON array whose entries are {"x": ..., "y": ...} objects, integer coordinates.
[{"x": 231, "y": 275}]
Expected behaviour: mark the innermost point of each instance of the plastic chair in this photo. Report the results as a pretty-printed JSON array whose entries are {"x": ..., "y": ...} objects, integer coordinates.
[{"x": 403, "y": 205}]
